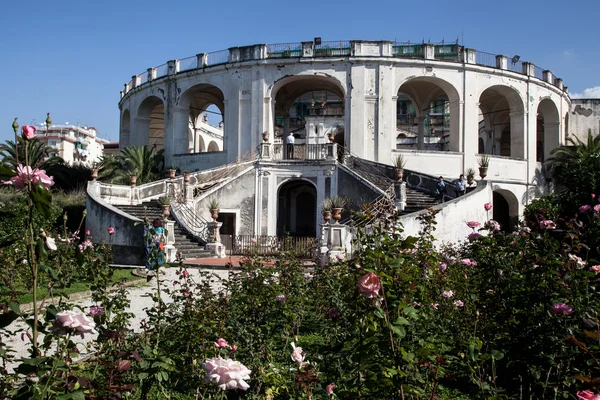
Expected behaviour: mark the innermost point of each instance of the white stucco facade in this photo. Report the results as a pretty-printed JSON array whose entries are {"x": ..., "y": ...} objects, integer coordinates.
[{"x": 462, "y": 104}]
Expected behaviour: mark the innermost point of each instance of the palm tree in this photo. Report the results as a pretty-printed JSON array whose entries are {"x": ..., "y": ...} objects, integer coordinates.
[
  {"x": 576, "y": 168},
  {"x": 37, "y": 154},
  {"x": 135, "y": 159}
]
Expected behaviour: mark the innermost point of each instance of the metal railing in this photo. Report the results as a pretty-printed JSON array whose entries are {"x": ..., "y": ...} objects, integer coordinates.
[
  {"x": 299, "y": 152},
  {"x": 485, "y": 59},
  {"x": 189, "y": 219},
  {"x": 217, "y": 57},
  {"x": 451, "y": 52},
  {"x": 188, "y": 64},
  {"x": 246, "y": 245},
  {"x": 333, "y": 48},
  {"x": 284, "y": 50}
]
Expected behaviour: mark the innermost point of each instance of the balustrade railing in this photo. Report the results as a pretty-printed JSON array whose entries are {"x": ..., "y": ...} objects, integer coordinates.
[
  {"x": 189, "y": 219},
  {"x": 246, "y": 245},
  {"x": 442, "y": 51},
  {"x": 300, "y": 152}
]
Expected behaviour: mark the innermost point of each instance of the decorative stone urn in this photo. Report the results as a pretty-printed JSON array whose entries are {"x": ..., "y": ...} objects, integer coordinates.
[
  {"x": 483, "y": 172},
  {"x": 172, "y": 173},
  {"x": 326, "y": 216},
  {"x": 133, "y": 180},
  {"x": 399, "y": 174},
  {"x": 94, "y": 174},
  {"x": 331, "y": 137},
  {"x": 265, "y": 137},
  {"x": 214, "y": 213},
  {"x": 337, "y": 214},
  {"x": 186, "y": 177},
  {"x": 166, "y": 210}
]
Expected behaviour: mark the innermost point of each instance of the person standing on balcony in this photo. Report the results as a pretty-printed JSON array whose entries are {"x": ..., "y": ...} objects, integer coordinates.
[
  {"x": 441, "y": 189},
  {"x": 460, "y": 185},
  {"x": 290, "y": 140}
]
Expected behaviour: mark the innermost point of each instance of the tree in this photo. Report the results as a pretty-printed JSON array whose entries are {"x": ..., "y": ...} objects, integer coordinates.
[
  {"x": 138, "y": 160},
  {"x": 576, "y": 169},
  {"x": 37, "y": 154}
]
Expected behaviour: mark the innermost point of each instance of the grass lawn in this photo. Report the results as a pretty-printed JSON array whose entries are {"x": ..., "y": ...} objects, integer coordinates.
[{"x": 24, "y": 297}]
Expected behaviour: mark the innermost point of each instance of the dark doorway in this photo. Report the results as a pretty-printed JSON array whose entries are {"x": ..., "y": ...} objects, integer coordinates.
[
  {"x": 227, "y": 230},
  {"x": 297, "y": 209},
  {"x": 501, "y": 212}
]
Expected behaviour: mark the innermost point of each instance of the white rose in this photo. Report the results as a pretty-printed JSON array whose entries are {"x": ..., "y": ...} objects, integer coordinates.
[
  {"x": 75, "y": 320},
  {"x": 227, "y": 373}
]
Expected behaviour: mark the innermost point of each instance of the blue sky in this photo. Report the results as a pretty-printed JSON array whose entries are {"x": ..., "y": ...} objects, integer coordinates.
[{"x": 71, "y": 58}]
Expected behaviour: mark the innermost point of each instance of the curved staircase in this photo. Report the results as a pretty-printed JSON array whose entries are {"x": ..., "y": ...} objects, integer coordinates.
[{"x": 184, "y": 242}]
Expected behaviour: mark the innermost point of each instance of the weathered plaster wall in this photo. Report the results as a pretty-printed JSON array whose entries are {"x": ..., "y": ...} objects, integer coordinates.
[
  {"x": 352, "y": 188},
  {"x": 128, "y": 240},
  {"x": 584, "y": 115}
]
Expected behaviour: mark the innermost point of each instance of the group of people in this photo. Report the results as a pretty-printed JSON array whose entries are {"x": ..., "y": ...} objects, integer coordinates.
[{"x": 460, "y": 187}]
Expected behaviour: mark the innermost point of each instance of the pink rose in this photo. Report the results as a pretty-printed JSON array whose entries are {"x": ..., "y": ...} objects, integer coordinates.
[
  {"x": 227, "y": 373},
  {"x": 72, "y": 321},
  {"x": 547, "y": 224},
  {"x": 447, "y": 294},
  {"x": 443, "y": 266},
  {"x": 458, "y": 303},
  {"x": 96, "y": 310},
  {"x": 587, "y": 395},
  {"x": 595, "y": 268},
  {"x": 597, "y": 208},
  {"x": 330, "y": 388},
  {"x": 221, "y": 343},
  {"x": 473, "y": 224},
  {"x": 340, "y": 256},
  {"x": 28, "y": 132},
  {"x": 253, "y": 240},
  {"x": 87, "y": 233},
  {"x": 369, "y": 285},
  {"x": 26, "y": 175},
  {"x": 487, "y": 206},
  {"x": 468, "y": 262},
  {"x": 584, "y": 209},
  {"x": 111, "y": 231},
  {"x": 233, "y": 347},
  {"x": 473, "y": 236},
  {"x": 562, "y": 309},
  {"x": 297, "y": 354},
  {"x": 185, "y": 273}
]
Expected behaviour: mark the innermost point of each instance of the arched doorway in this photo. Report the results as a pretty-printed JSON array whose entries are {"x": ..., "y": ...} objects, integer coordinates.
[
  {"x": 124, "y": 136},
  {"x": 505, "y": 210},
  {"x": 548, "y": 129},
  {"x": 309, "y": 107},
  {"x": 150, "y": 124},
  {"x": 297, "y": 209},
  {"x": 427, "y": 111},
  {"x": 502, "y": 121}
]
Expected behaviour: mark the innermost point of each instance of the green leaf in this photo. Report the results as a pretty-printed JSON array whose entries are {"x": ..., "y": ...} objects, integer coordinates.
[
  {"x": 401, "y": 321},
  {"x": 411, "y": 312},
  {"x": 41, "y": 199},
  {"x": 49, "y": 271},
  {"x": 400, "y": 331},
  {"x": 78, "y": 395},
  {"x": 497, "y": 355}
]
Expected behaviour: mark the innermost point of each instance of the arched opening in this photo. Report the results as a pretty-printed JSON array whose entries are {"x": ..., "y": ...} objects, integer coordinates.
[
  {"x": 124, "y": 135},
  {"x": 502, "y": 122},
  {"x": 308, "y": 107},
  {"x": 296, "y": 209},
  {"x": 206, "y": 112},
  {"x": 505, "y": 209},
  {"x": 150, "y": 124},
  {"x": 427, "y": 115},
  {"x": 548, "y": 129},
  {"x": 212, "y": 147}
]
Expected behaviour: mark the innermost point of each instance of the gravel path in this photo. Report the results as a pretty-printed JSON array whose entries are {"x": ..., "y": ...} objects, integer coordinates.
[{"x": 140, "y": 300}]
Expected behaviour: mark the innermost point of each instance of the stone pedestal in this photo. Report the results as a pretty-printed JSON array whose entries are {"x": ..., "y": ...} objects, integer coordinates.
[
  {"x": 400, "y": 189},
  {"x": 214, "y": 245},
  {"x": 335, "y": 240},
  {"x": 170, "y": 249}
]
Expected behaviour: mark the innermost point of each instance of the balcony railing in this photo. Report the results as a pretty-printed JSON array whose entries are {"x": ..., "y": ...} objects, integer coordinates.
[
  {"x": 304, "y": 247},
  {"x": 302, "y": 152},
  {"x": 452, "y": 52}
]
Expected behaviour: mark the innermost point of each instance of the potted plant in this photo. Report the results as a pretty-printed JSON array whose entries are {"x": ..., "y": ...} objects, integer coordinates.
[
  {"x": 484, "y": 163},
  {"x": 326, "y": 209},
  {"x": 213, "y": 207},
  {"x": 399, "y": 164},
  {"x": 265, "y": 136},
  {"x": 165, "y": 202},
  {"x": 186, "y": 176},
  {"x": 337, "y": 205},
  {"x": 133, "y": 177},
  {"x": 470, "y": 176},
  {"x": 172, "y": 171}
]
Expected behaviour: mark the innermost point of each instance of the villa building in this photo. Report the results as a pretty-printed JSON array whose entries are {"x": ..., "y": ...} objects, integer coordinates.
[
  {"x": 352, "y": 108},
  {"x": 74, "y": 144}
]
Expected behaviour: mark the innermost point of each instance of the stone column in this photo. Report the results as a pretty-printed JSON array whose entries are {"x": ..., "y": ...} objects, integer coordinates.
[
  {"x": 421, "y": 133},
  {"x": 502, "y": 62},
  {"x": 170, "y": 249},
  {"x": 202, "y": 60},
  {"x": 400, "y": 189},
  {"x": 518, "y": 140},
  {"x": 151, "y": 74},
  {"x": 469, "y": 56},
  {"x": 548, "y": 76},
  {"x": 428, "y": 51}
]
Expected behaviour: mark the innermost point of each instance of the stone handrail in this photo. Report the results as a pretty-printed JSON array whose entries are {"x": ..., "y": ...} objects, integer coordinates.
[{"x": 353, "y": 48}]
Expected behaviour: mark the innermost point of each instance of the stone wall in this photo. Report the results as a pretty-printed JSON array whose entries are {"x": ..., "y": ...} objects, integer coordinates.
[{"x": 584, "y": 115}]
